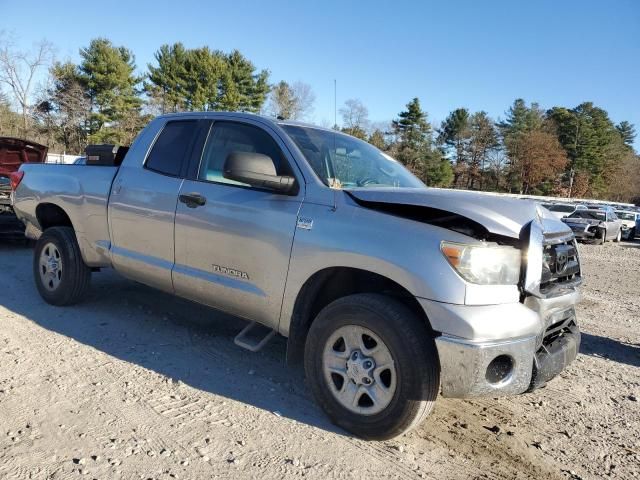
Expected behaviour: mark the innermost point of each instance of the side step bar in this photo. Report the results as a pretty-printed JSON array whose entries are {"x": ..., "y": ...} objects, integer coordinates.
[{"x": 254, "y": 336}]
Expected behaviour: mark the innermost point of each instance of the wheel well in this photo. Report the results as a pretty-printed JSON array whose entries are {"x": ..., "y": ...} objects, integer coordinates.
[
  {"x": 51, "y": 215},
  {"x": 331, "y": 284}
]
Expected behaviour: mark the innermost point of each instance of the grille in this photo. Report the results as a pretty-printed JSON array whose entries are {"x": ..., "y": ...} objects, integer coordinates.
[{"x": 560, "y": 267}]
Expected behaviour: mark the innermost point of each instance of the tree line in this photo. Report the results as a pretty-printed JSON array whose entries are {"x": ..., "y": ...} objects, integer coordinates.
[{"x": 561, "y": 151}]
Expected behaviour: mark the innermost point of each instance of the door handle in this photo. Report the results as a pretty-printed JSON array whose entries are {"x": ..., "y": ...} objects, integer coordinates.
[{"x": 192, "y": 200}]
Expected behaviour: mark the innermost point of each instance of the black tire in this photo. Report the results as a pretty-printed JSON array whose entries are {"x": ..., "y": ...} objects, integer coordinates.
[
  {"x": 602, "y": 239},
  {"x": 632, "y": 234},
  {"x": 414, "y": 354},
  {"x": 75, "y": 275}
]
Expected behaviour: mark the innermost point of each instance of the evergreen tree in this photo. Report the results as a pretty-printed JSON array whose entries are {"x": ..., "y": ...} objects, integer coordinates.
[
  {"x": 627, "y": 131},
  {"x": 377, "y": 139},
  {"x": 415, "y": 146},
  {"x": 587, "y": 133},
  {"x": 242, "y": 89},
  {"x": 205, "y": 79},
  {"x": 168, "y": 79},
  {"x": 107, "y": 73}
]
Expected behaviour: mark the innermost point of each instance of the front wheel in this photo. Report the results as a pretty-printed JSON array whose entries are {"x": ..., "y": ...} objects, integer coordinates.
[
  {"x": 61, "y": 276},
  {"x": 619, "y": 236},
  {"x": 372, "y": 365}
]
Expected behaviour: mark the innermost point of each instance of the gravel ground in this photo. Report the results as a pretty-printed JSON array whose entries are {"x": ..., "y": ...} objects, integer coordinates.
[{"x": 134, "y": 383}]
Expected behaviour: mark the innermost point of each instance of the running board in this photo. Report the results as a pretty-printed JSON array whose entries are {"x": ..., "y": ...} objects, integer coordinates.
[{"x": 254, "y": 336}]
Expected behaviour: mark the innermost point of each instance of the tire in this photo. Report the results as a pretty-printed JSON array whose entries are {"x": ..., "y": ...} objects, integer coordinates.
[
  {"x": 411, "y": 384},
  {"x": 632, "y": 234},
  {"x": 60, "y": 274},
  {"x": 619, "y": 236},
  {"x": 602, "y": 239}
]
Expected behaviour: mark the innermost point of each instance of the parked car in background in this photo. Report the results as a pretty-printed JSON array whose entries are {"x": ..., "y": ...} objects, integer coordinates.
[
  {"x": 560, "y": 210},
  {"x": 13, "y": 153},
  {"x": 629, "y": 220},
  {"x": 598, "y": 225}
]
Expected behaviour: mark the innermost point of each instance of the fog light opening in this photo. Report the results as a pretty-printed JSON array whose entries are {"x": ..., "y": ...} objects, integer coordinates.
[{"x": 500, "y": 369}]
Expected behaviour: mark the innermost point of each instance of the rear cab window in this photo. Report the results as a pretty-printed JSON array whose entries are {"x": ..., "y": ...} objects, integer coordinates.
[{"x": 171, "y": 148}]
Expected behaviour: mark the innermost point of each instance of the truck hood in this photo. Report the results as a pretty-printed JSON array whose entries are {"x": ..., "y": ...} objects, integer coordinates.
[
  {"x": 14, "y": 152},
  {"x": 497, "y": 214}
]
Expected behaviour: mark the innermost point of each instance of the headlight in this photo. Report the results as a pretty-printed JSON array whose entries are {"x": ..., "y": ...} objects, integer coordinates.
[{"x": 488, "y": 264}]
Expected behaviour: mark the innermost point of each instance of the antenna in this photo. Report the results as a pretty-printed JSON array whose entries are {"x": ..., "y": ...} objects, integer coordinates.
[{"x": 335, "y": 103}]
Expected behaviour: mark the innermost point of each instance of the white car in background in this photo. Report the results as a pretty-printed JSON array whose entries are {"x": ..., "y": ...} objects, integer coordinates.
[
  {"x": 561, "y": 210},
  {"x": 629, "y": 219}
]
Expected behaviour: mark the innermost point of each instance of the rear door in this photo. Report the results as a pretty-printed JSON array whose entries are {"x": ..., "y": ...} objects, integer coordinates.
[
  {"x": 142, "y": 207},
  {"x": 233, "y": 245}
]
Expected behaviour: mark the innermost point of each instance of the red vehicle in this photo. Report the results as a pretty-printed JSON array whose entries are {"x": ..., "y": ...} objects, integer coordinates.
[{"x": 13, "y": 153}]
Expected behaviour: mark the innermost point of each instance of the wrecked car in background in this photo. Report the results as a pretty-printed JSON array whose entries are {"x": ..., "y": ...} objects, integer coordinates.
[
  {"x": 389, "y": 291},
  {"x": 13, "y": 153},
  {"x": 597, "y": 225},
  {"x": 629, "y": 220}
]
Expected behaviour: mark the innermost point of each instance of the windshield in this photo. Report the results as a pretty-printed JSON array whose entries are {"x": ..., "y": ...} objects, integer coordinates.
[
  {"x": 342, "y": 161},
  {"x": 589, "y": 214},
  {"x": 561, "y": 208},
  {"x": 625, "y": 215}
]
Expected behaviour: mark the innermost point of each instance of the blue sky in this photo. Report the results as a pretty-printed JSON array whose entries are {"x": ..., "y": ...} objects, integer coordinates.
[{"x": 481, "y": 55}]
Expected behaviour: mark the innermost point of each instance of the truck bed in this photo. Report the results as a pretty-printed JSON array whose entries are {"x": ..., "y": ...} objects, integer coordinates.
[{"x": 82, "y": 191}]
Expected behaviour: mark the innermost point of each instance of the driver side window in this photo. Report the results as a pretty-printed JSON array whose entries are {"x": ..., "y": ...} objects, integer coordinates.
[{"x": 228, "y": 137}]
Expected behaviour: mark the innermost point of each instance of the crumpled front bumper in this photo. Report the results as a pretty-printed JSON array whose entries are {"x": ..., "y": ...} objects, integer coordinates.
[{"x": 483, "y": 364}]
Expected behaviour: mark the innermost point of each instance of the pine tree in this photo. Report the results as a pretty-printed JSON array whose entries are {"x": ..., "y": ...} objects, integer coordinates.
[
  {"x": 167, "y": 80},
  {"x": 107, "y": 73},
  {"x": 627, "y": 131},
  {"x": 415, "y": 146}
]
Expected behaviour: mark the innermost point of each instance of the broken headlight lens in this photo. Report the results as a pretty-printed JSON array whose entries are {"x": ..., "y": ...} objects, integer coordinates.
[{"x": 484, "y": 264}]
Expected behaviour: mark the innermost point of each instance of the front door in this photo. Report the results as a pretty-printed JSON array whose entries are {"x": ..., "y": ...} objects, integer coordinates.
[{"x": 233, "y": 242}]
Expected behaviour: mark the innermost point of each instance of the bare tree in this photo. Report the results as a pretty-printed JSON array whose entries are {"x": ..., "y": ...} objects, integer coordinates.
[
  {"x": 305, "y": 98},
  {"x": 355, "y": 115},
  {"x": 293, "y": 101},
  {"x": 18, "y": 70}
]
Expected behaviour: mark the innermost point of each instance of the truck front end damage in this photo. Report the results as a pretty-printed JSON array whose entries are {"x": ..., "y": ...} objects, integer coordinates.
[{"x": 516, "y": 347}]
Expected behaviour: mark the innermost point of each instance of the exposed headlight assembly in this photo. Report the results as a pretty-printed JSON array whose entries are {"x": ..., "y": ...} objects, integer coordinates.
[{"x": 486, "y": 264}]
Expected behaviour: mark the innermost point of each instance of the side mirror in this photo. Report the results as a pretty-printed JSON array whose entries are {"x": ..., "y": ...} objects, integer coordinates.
[{"x": 257, "y": 170}]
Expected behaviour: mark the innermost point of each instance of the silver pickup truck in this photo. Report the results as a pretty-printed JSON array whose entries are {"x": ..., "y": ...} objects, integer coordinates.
[{"x": 389, "y": 291}]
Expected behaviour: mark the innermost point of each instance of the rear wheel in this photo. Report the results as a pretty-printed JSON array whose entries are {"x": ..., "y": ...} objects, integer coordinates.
[
  {"x": 61, "y": 276},
  {"x": 372, "y": 365}
]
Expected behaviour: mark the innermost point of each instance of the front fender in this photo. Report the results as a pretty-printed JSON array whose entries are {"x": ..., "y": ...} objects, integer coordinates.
[{"x": 404, "y": 251}]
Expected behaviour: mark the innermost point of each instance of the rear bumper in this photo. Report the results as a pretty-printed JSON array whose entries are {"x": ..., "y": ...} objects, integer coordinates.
[{"x": 523, "y": 361}]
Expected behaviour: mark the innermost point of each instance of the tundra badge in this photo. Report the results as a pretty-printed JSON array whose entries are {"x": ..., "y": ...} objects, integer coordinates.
[{"x": 305, "y": 223}]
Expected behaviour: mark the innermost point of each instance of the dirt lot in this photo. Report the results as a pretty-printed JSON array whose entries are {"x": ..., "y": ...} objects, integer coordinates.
[{"x": 136, "y": 384}]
